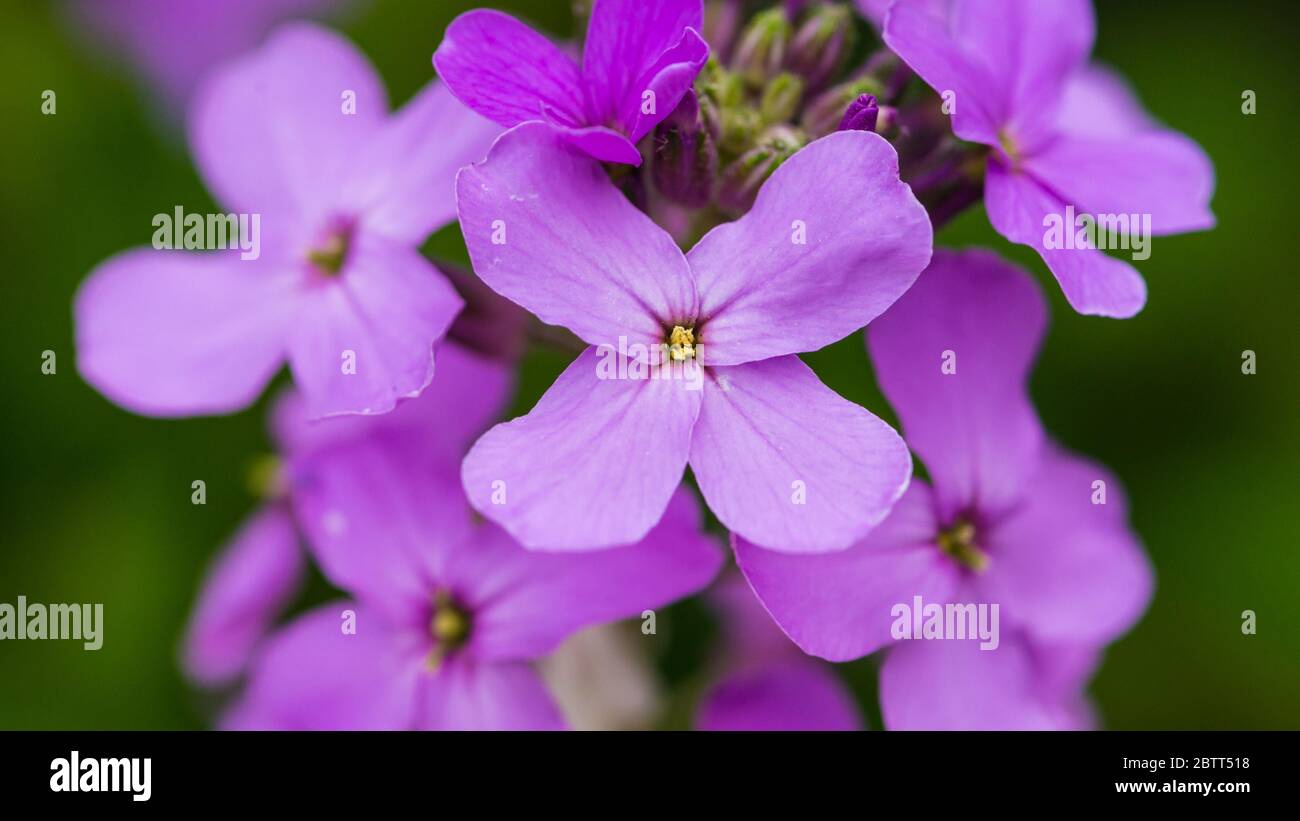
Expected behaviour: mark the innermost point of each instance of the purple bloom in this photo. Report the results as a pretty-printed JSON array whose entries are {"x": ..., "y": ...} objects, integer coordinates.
[
  {"x": 253, "y": 579},
  {"x": 767, "y": 683},
  {"x": 1009, "y": 519},
  {"x": 638, "y": 61},
  {"x": 832, "y": 240},
  {"x": 1062, "y": 132},
  {"x": 338, "y": 286},
  {"x": 175, "y": 42},
  {"x": 448, "y": 614}
]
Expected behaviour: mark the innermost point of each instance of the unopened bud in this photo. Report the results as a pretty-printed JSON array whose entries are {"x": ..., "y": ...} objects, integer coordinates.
[
  {"x": 781, "y": 98},
  {"x": 761, "y": 50},
  {"x": 685, "y": 159},
  {"x": 821, "y": 45},
  {"x": 861, "y": 114},
  {"x": 824, "y": 113},
  {"x": 743, "y": 177}
]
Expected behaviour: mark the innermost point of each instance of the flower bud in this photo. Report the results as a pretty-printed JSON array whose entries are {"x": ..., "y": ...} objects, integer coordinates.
[
  {"x": 821, "y": 45},
  {"x": 861, "y": 114},
  {"x": 743, "y": 177},
  {"x": 685, "y": 160},
  {"x": 762, "y": 47},
  {"x": 781, "y": 98},
  {"x": 824, "y": 113}
]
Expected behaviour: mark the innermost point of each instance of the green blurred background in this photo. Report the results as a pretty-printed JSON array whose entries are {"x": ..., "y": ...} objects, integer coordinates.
[{"x": 95, "y": 503}]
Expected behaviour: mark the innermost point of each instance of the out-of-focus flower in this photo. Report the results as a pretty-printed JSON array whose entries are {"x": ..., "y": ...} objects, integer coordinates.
[
  {"x": 833, "y": 239},
  {"x": 173, "y": 43},
  {"x": 1015, "y": 77},
  {"x": 1009, "y": 520},
  {"x": 765, "y": 682},
  {"x": 296, "y": 135},
  {"x": 639, "y": 60},
  {"x": 448, "y": 615},
  {"x": 253, "y": 579}
]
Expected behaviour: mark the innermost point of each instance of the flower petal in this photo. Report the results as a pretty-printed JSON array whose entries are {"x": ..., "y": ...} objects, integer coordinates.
[
  {"x": 404, "y": 184},
  {"x": 271, "y": 132},
  {"x": 507, "y": 72},
  {"x": 839, "y": 606},
  {"x": 792, "y": 694},
  {"x": 466, "y": 396},
  {"x": 633, "y": 47},
  {"x": 379, "y": 523},
  {"x": 789, "y": 465},
  {"x": 467, "y": 695},
  {"x": 1066, "y": 568},
  {"x": 314, "y": 676},
  {"x": 364, "y": 341},
  {"x": 175, "y": 333},
  {"x": 526, "y": 602},
  {"x": 1092, "y": 282},
  {"x": 832, "y": 240},
  {"x": 244, "y": 592},
  {"x": 953, "y": 358},
  {"x": 546, "y": 228},
  {"x": 594, "y": 463},
  {"x": 954, "y": 685}
]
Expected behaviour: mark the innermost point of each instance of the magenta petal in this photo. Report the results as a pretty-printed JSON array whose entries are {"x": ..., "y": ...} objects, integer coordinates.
[
  {"x": 599, "y": 142},
  {"x": 668, "y": 80},
  {"x": 954, "y": 685},
  {"x": 788, "y": 464},
  {"x": 832, "y": 240},
  {"x": 625, "y": 50},
  {"x": 532, "y": 601},
  {"x": 380, "y": 526},
  {"x": 1092, "y": 282},
  {"x": 1098, "y": 102},
  {"x": 464, "y": 399},
  {"x": 404, "y": 184},
  {"x": 975, "y": 429},
  {"x": 1161, "y": 174},
  {"x": 175, "y": 333},
  {"x": 546, "y": 228},
  {"x": 243, "y": 594},
  {"x": 313, "y": 676},
  {"x": 507, "y": 72},
  {"x": 839, "y": 605},
  {"x": 592, "y": 465},
  {"x": 270, "y": 131},
  {"x": 791, "y": 694},
  {"x": 1066, "y": 569},
  {"x": 469, "y": 695},
  {"x": 364, "y": 341}
]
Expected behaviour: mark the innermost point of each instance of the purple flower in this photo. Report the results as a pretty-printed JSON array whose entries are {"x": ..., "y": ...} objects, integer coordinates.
[
  {"x": 638, "y": 61},
  {"x": 1062, "y": 132},
  {"x": 767, "y": 684},
  {"x": 833, "y": 239},
  {"x": 255, "y": 577},
  {"x": 175, "y": 42},
  {"x": 1009, "y": 520},
  {"x": 448, "y": 614},
  {"x": 338, "y": 287}
]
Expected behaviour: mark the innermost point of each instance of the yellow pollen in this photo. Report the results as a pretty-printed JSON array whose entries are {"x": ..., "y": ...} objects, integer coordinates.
[
  {"x": 958, "y": 542},
  {"x": 681, "y": 343}
]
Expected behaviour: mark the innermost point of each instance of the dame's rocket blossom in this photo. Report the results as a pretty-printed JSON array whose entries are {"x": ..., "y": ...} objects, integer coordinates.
[
  {"x": 832, "y": 240},
  {"x": 1062, "y": 133},
  {"x": 298, "y": 133},
  {"x": 1008, "y": 519},
  {"x": 639, "y": 60}
]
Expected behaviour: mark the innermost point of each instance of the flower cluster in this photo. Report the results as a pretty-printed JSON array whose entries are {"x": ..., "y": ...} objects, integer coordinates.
[{"x": 695, "y": 196}]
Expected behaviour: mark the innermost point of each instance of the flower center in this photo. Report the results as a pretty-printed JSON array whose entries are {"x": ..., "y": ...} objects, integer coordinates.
[
  {"x": 329, "y": 256},
  {"x": 958, "y": 541},
  {"x": 681, "y": 343},
  {"x": 449, "y": 626}
]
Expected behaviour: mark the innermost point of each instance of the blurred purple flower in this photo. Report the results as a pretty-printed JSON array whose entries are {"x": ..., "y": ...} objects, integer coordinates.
[
  {"x": 833, "y": 239},
  {"x": 1062, "y": 133},
  {"x": 638, "y": 61},
  {"x": 254, "y": 578},
  {"x": 1009, "y": 519},
  {"x": 448, "y": 614},
  {"x": 766, "y": 682},
  {"x": 173, "y": 43},
  {"x": 298, "y": 134}
]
